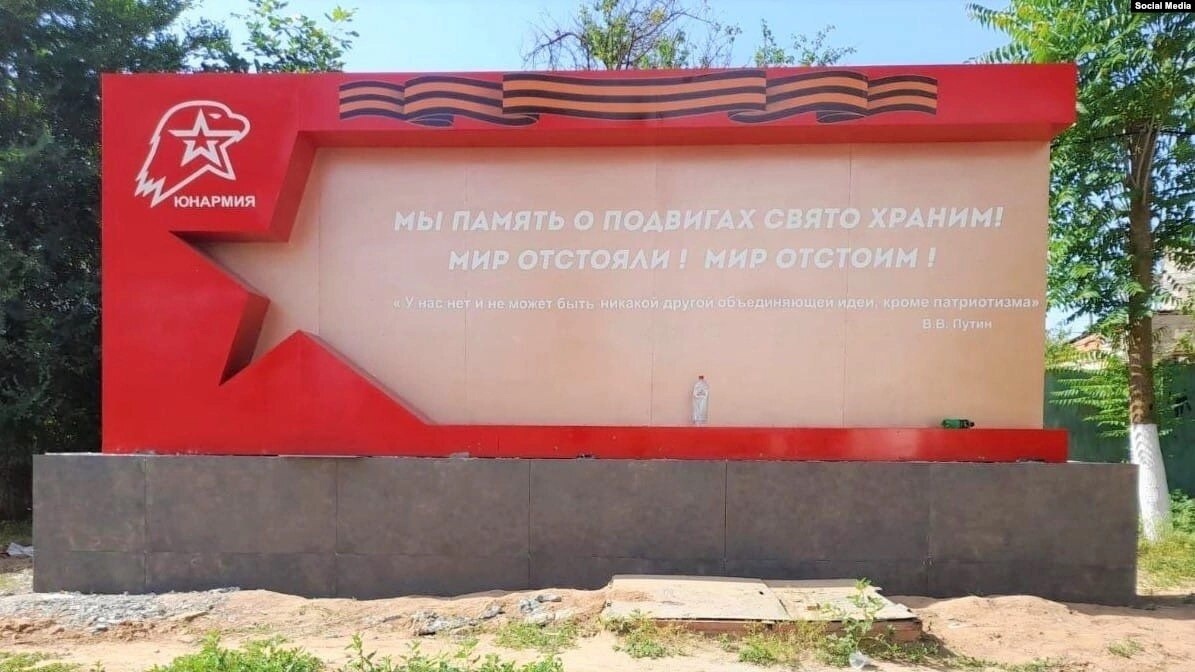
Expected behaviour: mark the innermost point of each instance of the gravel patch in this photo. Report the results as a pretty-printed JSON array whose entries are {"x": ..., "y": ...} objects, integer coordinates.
[
  {"x": 101, "y": 612},
  {"x": 426, "y": 622}
]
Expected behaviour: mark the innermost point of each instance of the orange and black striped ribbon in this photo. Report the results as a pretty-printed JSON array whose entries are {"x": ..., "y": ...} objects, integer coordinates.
[{"x": 747, "y": 96}]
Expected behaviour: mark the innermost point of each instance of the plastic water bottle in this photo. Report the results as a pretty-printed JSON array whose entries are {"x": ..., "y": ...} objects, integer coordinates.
[
  {"x": 859, "y": 661},
  {"x": 701, "y": 401}
]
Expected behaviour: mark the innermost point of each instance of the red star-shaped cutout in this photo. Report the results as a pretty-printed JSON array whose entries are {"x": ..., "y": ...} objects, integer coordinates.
[{"x": 210, "y": 144}]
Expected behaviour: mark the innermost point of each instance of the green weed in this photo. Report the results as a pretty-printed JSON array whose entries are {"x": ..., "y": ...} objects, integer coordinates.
[
  {"x": 958, "y": 662},
  {"x": 641, "y": 637},
  {"x": 1125, "y": 648},
  {"x": 550, "y": 638},
  {"x": 1043, "y": 665},
  {"x": 1168, "y": 562},
  {"x": 261, "y": 656},
  {"x": 461, "y": 660},
  {"x": 855, "y": 632},
  {"x": 272, "y": 656},
  {"x": 913, "y": 653},
  {"x": 787, "y": 646},
  {"x": 763, "y": 650},
  {"x": 34, "y": 662}
]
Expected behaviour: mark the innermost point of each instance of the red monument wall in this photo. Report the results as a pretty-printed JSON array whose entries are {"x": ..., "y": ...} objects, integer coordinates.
[{"x": 540, "y": 265}]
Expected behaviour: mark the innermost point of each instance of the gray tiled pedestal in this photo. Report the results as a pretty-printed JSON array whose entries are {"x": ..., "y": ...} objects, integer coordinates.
[{"x": 377, "y": 527}]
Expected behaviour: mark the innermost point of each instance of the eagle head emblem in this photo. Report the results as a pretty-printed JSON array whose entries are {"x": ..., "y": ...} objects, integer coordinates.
[{"x": 192, "y": 139}]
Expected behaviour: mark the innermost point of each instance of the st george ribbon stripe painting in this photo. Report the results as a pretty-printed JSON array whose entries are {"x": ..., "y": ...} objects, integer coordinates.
[{"x": 747, "y": 96}]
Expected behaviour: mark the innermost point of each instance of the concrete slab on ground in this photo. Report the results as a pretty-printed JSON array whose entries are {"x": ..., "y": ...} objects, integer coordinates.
[
  {"x": 827, "y": 600},
  {"x": 686, "y": 598},
  {"x": 717, "y": 604}
]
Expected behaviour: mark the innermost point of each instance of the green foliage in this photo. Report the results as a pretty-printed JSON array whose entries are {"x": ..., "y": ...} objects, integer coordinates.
[
  {"x": 760, "y": 649},
  {"x": 1098, "y": 383},
  {"x": 261, "y": 656},
  {"x": 50, "y": 60},
  {"x": 634, "y": 34},
  {"x": 1123, "y": 176},
  {"x": 1060, "y": 352},
  {"x": 954, "y": 662},
  {"x": 641, "y": 637},
  {"x": 1101, "y": 387},
  {"x": 271, "y": 656},
  {"x": 1125, "y": 648},
  {"x": 855, "y": 628},
  {"x": 1168, "y": 562},
  {"x": 461, "y": 660},
  {"x": 294, "y": 42},
  {"x": 806, "y": 50},
  {"x": 932, "y": 655},
  {"x": 1041, "y": 665},
  {"x": 551, "y": 638},
  {"x": 51, "y": 55},
  {"x": 35, "y": 662},
  {"x": 644, "y": 34},
  {"x": 1182, "y": 513},
  {"x": 786, "y": 646}
]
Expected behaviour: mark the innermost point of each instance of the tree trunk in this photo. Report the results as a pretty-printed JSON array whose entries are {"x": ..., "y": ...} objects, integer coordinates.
[{"x": 1145, "y": 451}]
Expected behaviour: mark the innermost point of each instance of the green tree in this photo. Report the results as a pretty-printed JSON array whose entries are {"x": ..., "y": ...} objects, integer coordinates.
[
  {"x": 639, "y": 34},
  {"x": 1122, "y": 183},
  {"x": 51, "y": 55},
  {"x": 1097, "y": 383},
  {"x": 634, "y": 34},
  {"x": 805, "y": 50},
  {"x": 1060, "y": 350},
  {"x": 293, "y": 43}
]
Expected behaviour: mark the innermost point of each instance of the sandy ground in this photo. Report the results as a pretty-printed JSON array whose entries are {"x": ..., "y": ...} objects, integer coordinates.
[{"x": 1007, "y": 630}]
